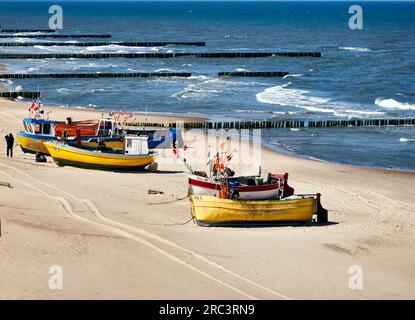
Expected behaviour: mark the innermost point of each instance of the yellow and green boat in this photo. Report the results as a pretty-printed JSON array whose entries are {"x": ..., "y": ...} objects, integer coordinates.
[
  {"x": 215, "y": 211},
  {"x": 135, "y": 155}
]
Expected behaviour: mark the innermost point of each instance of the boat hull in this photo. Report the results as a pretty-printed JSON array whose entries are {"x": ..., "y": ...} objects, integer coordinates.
[
  {"x": 213, "y": 211},
  {"x": 65, "y": 155},
  {"x": 33, "y": 143},
  {"x": 204, "y": 186}
]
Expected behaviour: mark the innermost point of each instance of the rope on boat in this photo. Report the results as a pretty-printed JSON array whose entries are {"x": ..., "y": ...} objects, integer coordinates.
[
  {"x": 180, "y": 224},
  {"x": 169, "y": 201}
]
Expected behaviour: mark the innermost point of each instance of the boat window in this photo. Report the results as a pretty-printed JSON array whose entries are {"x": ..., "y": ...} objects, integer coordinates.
[
  {"x": 38, "y": 128},
  {"x": 28, "y": 127},
  {"x": 129, "y": 143},
  {"x": 46, "y": 128}
]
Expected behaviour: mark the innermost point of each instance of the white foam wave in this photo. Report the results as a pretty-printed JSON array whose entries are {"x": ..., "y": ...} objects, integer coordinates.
[
  {"x": 48, "y": 48},
  {"x": 209, "y": 88},
  {"x": 358, "y": 49},
  {"x": 394, "y": 104},
  {"x": 407, "y": 139},
  {"x": 112, "y": 47},
  {"x": 20, "y": 40},
  {"x": 356, "y": 113},
  {"x": 18, "y": 88},
  {"x": 241, "y": 70},
  {"x": 294, "y": 75},
  {"x": 284, "y": 96},
  {"x": 165, "y": 70},
  {"x": 63, "y": 90},
  {"x": 203, "y": 78}
]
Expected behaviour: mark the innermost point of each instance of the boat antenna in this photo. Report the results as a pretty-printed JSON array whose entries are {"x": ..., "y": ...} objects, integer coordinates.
[{"x": 145, "y": 119}]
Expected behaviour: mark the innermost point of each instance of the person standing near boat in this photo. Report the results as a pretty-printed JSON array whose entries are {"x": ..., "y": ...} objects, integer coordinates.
[{"x": 10, "y": 143}]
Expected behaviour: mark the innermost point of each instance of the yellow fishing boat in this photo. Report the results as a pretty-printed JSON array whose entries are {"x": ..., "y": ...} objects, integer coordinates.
[
  {"x": 135, "y": 155},
  {"x": 214, "y": 211}
]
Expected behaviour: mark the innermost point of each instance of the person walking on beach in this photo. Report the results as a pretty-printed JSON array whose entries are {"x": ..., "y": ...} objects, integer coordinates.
[{"x": 10, "y": 143}]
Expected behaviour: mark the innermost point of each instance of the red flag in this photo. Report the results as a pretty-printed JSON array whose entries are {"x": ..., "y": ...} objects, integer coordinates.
[{"x": 176, "y": 152}]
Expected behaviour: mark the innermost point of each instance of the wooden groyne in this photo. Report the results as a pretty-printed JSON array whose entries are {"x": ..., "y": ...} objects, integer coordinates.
[
  {"x": 93, "y": 75},
  {"x": 25, "y": 30},
  {"x": 23, "y": 94},
  {"x": 297, "y": 124},
  {"x": 98, "y": 44},
  {"x": 58, "y": 36},
  {"x": 271, "y": 74},
  {"x": 361, "y": 123},
  {"x": 158, "y": 55}
]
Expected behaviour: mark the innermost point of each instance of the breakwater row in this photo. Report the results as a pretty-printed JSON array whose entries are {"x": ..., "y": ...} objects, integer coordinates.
[
  {"x": 272, "y": 74},
  {"x": 98, "y": 44},
  {"x": 23, "y": 94},
  {"x": 25, "y": 30},
  {"x": 58, "y": 36},
  {"x": 157, "y": 55},
  {"x": 297, "y": 124},
  {"x": 93, "y": 75}
]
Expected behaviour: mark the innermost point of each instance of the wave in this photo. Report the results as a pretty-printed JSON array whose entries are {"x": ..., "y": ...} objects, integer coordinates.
[
  {"x": 95, "y": 65},
  {"x": 49, "y": 48},
  {"x": 358, "y": 49},
  {"x": 294, "y": 75},
  {"x": 284, "y": 96},
  {"x": 241, "y": 70},
  {"x": 356, "y": 113},
  {"x": 250, "y": 111},
  {"x": 209, "y": 88},
  {"x": 113, "y": 47},
  {"x": 165, "y": 70},
  {"x": 394, "y": 104},
  {"x": 407, "y": 139},
  {"x": 20, "y": 40},
  {"x": 18, "y": 88},
  {"x": 264, "y": 111},
  {"x": 63, "y": 90}
]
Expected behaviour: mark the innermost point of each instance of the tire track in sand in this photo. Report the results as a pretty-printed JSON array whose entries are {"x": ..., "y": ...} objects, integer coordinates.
[{"x": 120, "y": 229}]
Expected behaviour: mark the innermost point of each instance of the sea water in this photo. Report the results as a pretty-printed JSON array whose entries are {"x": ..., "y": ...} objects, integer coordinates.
[{"x": 365, "y": 73}]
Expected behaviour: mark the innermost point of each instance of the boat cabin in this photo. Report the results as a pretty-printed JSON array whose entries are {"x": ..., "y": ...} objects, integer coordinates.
[
  {"x": 39, "y": 126},
  {"x": 135, "y": 145}
]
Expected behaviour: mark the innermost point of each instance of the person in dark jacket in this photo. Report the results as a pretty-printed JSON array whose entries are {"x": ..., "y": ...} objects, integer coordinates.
[{"x": 10, "y": 144}]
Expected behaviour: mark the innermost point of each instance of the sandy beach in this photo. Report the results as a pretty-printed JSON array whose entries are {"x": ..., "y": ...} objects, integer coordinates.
[{"x": 113, "y": 240}]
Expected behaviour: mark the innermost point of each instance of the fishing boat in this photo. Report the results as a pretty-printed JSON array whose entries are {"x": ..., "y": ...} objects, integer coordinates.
[
  {"x": 135, "y": 155},
  {"x": 248, "y": 187},
  {"x": 215, "y": 211},
  {"x": 253, "y": 187},
  {"x": 92, "y": 132}
]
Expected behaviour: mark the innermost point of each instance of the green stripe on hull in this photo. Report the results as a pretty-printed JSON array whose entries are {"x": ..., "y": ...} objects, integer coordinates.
[{"x": 62, "y": 163}]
